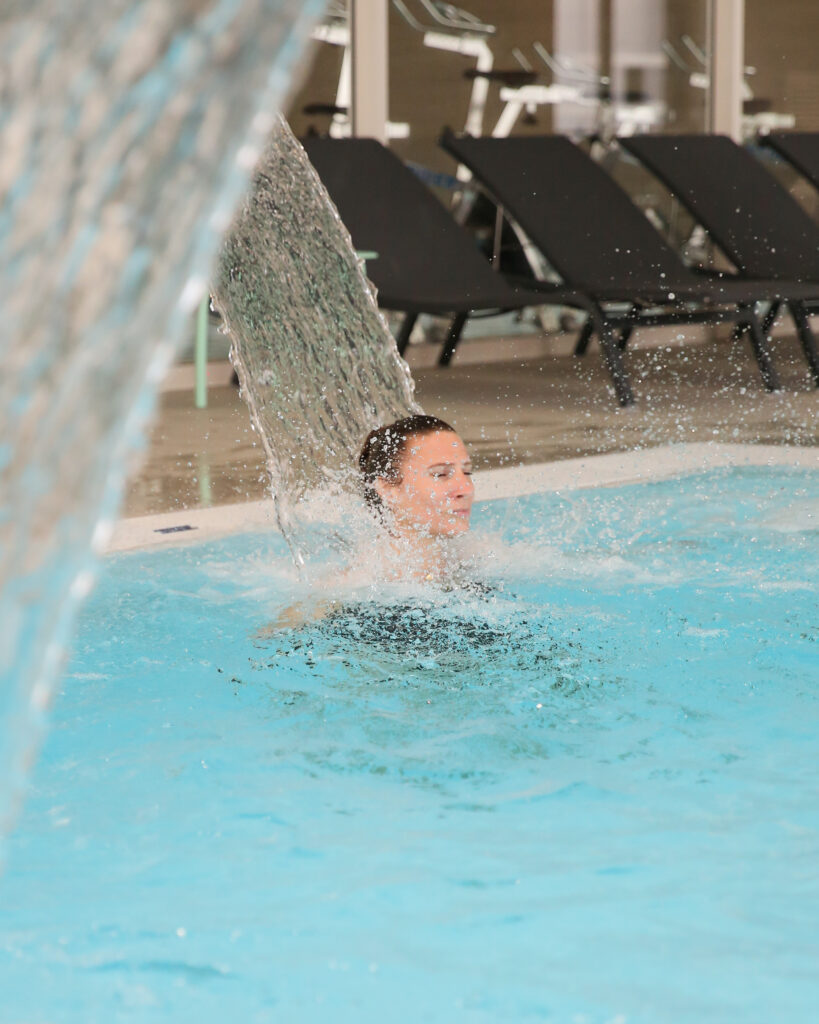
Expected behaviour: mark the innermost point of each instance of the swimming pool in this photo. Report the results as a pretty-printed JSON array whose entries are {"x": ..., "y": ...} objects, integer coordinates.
[{"x": 586, "y": 793}]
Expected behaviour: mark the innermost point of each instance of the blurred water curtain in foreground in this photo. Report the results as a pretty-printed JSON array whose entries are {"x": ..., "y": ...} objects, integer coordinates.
[
  {"x": 128, "y": 130},
  {"x": 317, "y": 363}
]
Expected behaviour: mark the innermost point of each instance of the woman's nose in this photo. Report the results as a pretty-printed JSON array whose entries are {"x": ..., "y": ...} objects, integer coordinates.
[{"x": 463, "y": 484}]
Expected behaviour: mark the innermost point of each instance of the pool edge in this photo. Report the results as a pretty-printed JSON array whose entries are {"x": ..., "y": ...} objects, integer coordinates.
[{"x": 172, "y": 529}]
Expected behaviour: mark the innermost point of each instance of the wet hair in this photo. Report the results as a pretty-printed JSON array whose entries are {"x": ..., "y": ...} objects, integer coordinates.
[{"x": 382, "y": 456}]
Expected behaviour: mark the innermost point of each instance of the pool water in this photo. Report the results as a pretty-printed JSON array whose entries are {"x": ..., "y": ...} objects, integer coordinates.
[{"x": 585, "y": 791}]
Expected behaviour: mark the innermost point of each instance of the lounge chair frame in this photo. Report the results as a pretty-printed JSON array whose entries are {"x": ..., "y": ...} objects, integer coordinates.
[
  {"x": 800, "y": 149},
  {"x": 421, "y": 260},
  {"x": 600, "y": 243},
  {"x": 748, "y": 213}
]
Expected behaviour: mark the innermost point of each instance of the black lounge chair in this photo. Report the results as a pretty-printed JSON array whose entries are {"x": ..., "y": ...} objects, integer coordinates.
[
  {"x": 755, "y": 221},
  {"x": 801, "y": 149},
  {"x": 423, "y": 261},
  {"x": 600, "y": 243}
]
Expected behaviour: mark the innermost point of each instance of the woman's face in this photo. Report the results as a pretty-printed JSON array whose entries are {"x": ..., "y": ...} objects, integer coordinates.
[{"x": 436, "y": 490}]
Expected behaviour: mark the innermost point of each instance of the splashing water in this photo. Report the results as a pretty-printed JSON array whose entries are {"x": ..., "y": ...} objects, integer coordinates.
[
  {"x": 128, "y": 131},
  {"x": 317, "y": 363}
]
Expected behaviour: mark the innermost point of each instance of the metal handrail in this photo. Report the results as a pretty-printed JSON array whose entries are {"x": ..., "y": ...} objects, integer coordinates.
[{"x": 446, "y": 16}]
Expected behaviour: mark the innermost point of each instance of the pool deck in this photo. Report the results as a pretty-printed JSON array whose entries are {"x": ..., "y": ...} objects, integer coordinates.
[{"x": 518, "y": 402}]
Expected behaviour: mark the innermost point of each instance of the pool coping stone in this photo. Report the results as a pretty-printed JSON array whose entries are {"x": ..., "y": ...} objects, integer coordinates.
[{"x": 170, "y": 529}]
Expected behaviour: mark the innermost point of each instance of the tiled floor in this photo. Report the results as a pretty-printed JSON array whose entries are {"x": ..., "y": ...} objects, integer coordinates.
[{"x": 526, "y": 408}]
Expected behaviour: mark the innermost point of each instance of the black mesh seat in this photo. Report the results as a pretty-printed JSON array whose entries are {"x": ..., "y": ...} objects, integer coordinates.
[
  {"x": 425, "y": 262},
  {"x": 801, "y": 149},
  {"x": 599, "y": 242},
  {"x": 761, "y": 228}
]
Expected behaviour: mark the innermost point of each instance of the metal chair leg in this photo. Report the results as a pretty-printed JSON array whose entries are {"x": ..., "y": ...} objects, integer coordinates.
[
  {"x": 761, "y": 350},
  {"x": 613, "y": 358},
  {"x": 803, "y": 329},
  {"x": 628, "y": 328},
  {"x": 452, "y": 339},
  {"x": 404, "y": 333},
  {"x": 625, "y": 336},
  {"x": 583, "y": 339},
  {"x": 770, "y": 317}
]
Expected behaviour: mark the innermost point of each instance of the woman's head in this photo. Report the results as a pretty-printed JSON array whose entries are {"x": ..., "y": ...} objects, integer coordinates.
[{"x": 419, "y": 471}]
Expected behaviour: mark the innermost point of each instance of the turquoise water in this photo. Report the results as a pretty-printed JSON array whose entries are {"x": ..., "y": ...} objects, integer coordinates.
[{"x": 586, "y": 793}]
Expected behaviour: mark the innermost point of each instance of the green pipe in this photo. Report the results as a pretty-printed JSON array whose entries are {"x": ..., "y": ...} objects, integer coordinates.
[{"x": 201, "y": 353}]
